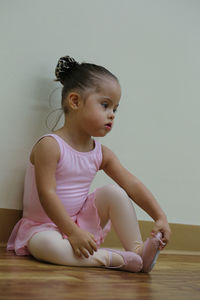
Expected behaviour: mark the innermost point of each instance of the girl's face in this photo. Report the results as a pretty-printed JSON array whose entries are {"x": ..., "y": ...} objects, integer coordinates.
[{"x": 98, "y": 111}]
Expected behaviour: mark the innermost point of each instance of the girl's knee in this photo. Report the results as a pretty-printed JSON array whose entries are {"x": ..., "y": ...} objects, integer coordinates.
[
  {"x": 42, "y": 242},
  {"x": 112, "y": 194},
  {"x": 115, "y": 191}
]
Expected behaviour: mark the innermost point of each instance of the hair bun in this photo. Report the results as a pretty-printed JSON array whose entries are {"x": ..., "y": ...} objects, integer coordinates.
[{"x": 65, "y": 64}]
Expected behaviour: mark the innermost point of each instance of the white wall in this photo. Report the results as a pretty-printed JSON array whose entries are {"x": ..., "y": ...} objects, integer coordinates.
[{"x": 153, "y": 47}]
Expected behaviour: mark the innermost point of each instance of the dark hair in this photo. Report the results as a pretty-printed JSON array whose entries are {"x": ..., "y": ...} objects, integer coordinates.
[{"x": 75, "y": 76}]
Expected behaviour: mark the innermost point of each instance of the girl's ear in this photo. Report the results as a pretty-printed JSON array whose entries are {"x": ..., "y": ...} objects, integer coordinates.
[{"x": 74, "y": 100}]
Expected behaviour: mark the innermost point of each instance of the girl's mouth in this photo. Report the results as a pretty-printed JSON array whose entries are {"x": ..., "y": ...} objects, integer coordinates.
[{"x": 108, "y": 126}]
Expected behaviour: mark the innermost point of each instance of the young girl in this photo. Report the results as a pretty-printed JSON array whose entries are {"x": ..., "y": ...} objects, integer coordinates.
[{"x": 62, "y": 223}]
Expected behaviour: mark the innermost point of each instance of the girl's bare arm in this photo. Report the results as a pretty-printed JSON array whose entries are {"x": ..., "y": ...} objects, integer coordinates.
[{"x": 136, "y": 190}]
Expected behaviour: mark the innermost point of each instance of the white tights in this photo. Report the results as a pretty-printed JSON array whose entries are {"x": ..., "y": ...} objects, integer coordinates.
[{"x": 112, "y": 203}]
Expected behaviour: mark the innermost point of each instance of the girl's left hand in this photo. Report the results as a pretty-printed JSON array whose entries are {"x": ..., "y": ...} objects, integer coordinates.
[{"x": 162, "y": 226}]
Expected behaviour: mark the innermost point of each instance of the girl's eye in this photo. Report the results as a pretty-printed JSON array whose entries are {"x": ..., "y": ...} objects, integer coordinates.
[
  {"x": 105, "y": 105},
  {"x": 115, "y": 110}
]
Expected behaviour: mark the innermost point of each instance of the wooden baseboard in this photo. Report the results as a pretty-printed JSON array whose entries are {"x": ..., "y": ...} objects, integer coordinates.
[
  {"x": 8, "y": 219},
  {"x": 184, "y": 237}
]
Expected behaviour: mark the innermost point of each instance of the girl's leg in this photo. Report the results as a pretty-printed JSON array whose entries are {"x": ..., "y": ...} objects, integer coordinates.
[
  {"x": 50, "y": 246},
  {"x": 113, "y": 203}
]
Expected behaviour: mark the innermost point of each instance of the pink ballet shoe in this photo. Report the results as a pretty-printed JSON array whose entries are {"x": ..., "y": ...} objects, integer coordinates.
[
  {"x": 132, "y": 261},
  {"x": 151, "y": 252}
]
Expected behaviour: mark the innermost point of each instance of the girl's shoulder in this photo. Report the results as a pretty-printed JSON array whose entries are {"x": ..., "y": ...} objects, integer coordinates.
[
  {"x": 108, "y": 156},
  {"x": 47, "y": 141},
  {"x": 46, "y": 147}
]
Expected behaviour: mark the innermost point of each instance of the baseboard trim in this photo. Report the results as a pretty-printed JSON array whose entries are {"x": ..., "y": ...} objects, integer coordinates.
[
  {"x": 184, "y": 237},
  {"x": 8, "y": 219}
]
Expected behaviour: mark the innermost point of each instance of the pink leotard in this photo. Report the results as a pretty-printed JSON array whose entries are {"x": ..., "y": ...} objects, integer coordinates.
[{"x": 74, "y": 174}]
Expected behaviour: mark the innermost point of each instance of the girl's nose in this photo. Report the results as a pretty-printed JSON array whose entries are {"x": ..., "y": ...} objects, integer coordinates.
[{"x": 111, "y": 115}]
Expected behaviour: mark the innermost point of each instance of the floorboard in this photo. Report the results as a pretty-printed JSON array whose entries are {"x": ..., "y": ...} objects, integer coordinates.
[{"x": 23, "y": 278}]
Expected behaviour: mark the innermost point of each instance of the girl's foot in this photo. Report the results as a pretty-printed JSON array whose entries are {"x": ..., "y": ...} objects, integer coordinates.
[
  {"x": 132, "y": 261},
  {"x": 151, "y": 252}
]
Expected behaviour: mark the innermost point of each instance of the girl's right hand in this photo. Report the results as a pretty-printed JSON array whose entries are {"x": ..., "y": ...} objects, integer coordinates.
[
  {"x": 162, "y": 226},
  {"x": 82, "y": 242}
]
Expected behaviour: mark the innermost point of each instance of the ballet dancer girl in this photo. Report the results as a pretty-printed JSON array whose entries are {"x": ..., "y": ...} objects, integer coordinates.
[{"x": 62, "y": 223}]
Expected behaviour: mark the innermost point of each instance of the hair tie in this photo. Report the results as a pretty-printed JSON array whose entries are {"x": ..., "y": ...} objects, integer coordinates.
[{"x": 65, "y": 64}]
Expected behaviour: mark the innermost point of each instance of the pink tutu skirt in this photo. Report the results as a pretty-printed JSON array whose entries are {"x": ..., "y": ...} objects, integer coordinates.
[{"x": 87, "y": 219}]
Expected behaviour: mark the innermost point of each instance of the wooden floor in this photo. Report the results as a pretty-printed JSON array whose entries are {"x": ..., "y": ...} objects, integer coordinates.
[{"x": 174, "y": 277}]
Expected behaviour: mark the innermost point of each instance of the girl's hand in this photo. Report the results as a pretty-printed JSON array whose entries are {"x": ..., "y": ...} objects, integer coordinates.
[
  {"x": 82, "y": 242},
  {"x": 162, "y": 226}
]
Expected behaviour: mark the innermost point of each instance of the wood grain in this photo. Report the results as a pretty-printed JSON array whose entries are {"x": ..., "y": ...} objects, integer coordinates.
[{"x": 23, "y": 278}]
